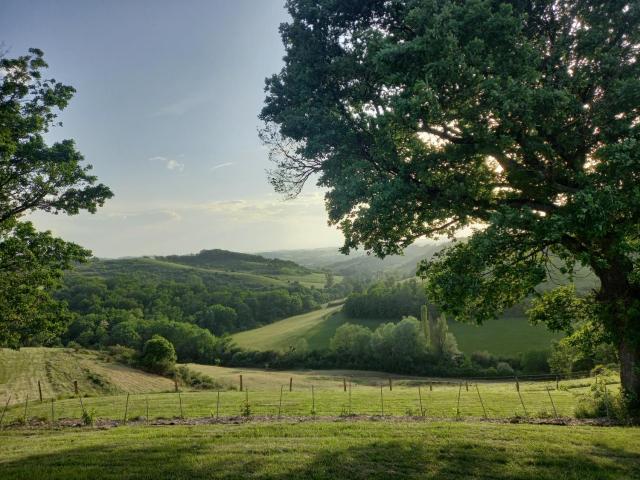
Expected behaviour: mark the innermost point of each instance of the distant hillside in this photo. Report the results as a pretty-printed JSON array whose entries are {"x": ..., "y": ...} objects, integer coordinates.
[
  {"x": 359, "y": 262},
  {"x": 241, "y": 262}
]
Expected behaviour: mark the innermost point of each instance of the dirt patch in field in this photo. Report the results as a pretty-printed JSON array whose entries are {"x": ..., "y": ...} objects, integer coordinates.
[{"x": 238, "y": 420}]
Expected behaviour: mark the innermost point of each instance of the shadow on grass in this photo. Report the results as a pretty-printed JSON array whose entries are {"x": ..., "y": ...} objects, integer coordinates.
[{"x": 229, "y": 457}]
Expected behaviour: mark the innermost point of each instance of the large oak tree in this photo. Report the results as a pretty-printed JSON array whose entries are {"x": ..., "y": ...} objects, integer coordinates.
[
  {"x": 35, "y": 176},
  {"x": 518, "y": 119}
]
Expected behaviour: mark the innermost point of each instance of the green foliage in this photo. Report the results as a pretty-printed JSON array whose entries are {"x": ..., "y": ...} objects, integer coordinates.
[
  {"x": 89, "y": 416},
  {"x": 601, "y": 402},
  {"x": 352, "y": 343},
  {"x": 535, "y": 361},
  {"x": 386, "y": 300},
  {"x": 158, "y": 355},
  {"x": 35, "y": 176},
  {"x": 561, "y": 309},
  {"x": 422, "y": 118},
  {"x": 195, "y": 379}
]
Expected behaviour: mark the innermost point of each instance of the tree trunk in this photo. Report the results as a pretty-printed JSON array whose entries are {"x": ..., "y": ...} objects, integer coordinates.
[
  {"x": 629, "y": 352},
  {"x": 621, "y": 302}
]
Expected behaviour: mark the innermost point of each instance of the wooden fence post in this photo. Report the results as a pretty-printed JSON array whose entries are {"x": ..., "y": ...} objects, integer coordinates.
[
  {"x": 420, "y": 400},
  {"x": 313, "y": 401},
  {"x": 40, "y": 391},
  {"x": 291, "y": 384},
  {"x": 126, "y": 409},
  {"x": 552, "y": 404},
  {"x": 280, "y": 404},
  {"x": 481, "y": 402},
  {"x": 390, "y": 385},
  {"x": 81, "y": 404},
  {"x": 431, "y": 386},
  {"x": 218, "y": 405},
  {"x": 466, "y": 385},
  {"x": 175, "y": 385},
  {"x": 522, "y": 402},
  {"x": 381, "y": 402},
  {"x": 517, "y": 385},
  {"x": 75, "y": 386},
  {"x": 5, "y": 409},
  {"x": 458, "y": 404},
  {"x": 344, "y": 383},
  {"x": 240, "y": 382},
  {"x": 557, "y": 382}
]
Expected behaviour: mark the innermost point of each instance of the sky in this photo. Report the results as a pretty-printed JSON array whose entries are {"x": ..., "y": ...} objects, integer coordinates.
[{"x": 168, "y": 94}]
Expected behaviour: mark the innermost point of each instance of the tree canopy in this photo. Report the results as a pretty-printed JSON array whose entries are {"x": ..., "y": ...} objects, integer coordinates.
[
  {"x": 36, "y": 176},
  {"x": 518, "y": 120}
]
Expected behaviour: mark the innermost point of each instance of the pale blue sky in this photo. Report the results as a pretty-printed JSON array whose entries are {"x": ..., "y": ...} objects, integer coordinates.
[{"x": 166, "y": 108}]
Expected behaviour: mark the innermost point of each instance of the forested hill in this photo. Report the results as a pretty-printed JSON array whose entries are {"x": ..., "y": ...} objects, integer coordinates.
[
  {"x": 241, "y": 262},
  {"x": 123, "y": 300}
]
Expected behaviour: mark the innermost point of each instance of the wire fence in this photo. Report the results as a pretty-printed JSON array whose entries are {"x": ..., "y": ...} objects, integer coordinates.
[{"x": 525, "y": 396}]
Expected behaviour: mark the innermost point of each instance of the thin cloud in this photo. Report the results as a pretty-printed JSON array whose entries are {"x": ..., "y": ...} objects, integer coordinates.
[
  {"x": 222, "y": 165},
  {"x": 169, "y": 163}
]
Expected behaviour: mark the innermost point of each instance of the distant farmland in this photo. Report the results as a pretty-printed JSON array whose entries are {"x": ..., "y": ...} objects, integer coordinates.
[{"x": 509, "y": 335}]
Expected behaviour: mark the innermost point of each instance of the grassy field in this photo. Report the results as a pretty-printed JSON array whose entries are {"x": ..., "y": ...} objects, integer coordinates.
[
  {"x": 324, "y": 450},
  {"x": 322, "y": 393},
  {"x": 280, "y": 335},
  {"x": 509, "y": 335},
  {"x": 57, "y": 368}
]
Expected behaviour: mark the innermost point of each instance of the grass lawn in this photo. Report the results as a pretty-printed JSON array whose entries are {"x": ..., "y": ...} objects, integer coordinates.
[{"x": 324, "y": 450}]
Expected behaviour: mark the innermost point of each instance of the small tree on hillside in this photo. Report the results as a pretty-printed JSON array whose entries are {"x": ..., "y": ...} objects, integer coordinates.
[{"x": 158, "y": 355}]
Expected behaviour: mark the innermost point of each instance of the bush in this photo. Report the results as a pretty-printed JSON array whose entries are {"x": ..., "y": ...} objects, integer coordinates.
[
  {"x": 196, "y": 380},
  {"x": 158, "y": 355},
  {"x": 483, "y": 359},
  {"x": 600, "y": 403},
  {"x": 504, "y": 369}
]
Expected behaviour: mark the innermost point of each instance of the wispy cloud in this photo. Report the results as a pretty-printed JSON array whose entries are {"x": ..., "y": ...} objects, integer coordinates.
[
  {"x": 185, "y": 104},
  {"x": 169, "y": 163},
  {"x": 222, "y": 165}
]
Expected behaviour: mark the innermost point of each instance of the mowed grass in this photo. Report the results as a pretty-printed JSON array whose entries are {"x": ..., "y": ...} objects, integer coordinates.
[
  {"x": 58, "y": 368},
  {"x": 324, "y": 450},
  {"x": 510, "y": 335},
  {"x": 284, "y": 333},
  {"x": 322, "y": 393}
]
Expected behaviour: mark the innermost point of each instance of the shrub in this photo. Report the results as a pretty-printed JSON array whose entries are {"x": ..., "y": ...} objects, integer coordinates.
[
  {"x": 158, "y": 355},
  {"x": 483, "y": 359},
  {"x": 599, "y": 403},
  {"x": 196, "y": 380},
  {"x": 503, "y": 368},
  {"x": 89, "y": 416}
]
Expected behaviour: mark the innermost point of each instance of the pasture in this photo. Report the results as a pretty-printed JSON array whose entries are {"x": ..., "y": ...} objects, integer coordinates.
[
  {"x": 509, "y": 335},
  {"x": 324, "y": 450},
  {"x": 322, "y": 393}
]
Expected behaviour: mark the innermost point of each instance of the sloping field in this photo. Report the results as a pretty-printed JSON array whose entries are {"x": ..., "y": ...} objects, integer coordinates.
[
  {"x": 57, "y": 368},
  {"x": 351, "y": 450},
  {"x": 284, "y": 333},
  {"x": 509, "y": 335}
]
